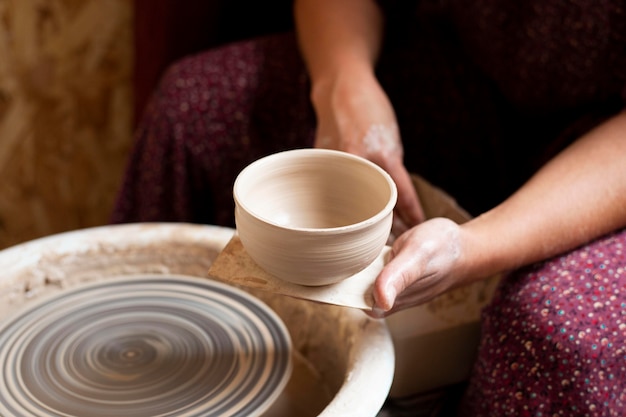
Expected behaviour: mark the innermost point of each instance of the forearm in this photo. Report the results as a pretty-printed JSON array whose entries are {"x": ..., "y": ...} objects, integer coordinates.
[
  {"x": 576, "y": 197},
  {"x": 337, "y": 36}
]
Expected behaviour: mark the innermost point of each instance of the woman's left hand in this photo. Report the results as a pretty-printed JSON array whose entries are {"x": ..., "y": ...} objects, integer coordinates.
[{"x": 424, "y": 262}]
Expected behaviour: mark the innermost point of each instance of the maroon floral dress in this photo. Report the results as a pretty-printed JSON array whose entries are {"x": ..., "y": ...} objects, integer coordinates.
[{"x": 485, "y": 92}]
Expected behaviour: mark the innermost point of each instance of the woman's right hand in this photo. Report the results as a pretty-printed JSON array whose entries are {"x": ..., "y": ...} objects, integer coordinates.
[
  {"x": 355, "y": 115},
  {"x": 340, "y": 41}
]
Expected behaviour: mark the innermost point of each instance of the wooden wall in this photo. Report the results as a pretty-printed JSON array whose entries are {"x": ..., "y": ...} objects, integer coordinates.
[{"x": 65, "y": 113}]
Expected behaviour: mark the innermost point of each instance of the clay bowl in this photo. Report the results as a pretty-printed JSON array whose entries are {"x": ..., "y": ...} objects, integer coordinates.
[{"x": 313, "y": 216}]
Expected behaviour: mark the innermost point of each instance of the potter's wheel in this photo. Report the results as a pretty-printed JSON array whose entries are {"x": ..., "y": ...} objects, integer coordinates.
[{"x": 144, "y": 346}]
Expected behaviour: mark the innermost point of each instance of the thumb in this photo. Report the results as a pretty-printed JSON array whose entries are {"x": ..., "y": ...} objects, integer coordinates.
[
  {"x": 392, "y": 279},
  {"x": 384, "y": 294}
]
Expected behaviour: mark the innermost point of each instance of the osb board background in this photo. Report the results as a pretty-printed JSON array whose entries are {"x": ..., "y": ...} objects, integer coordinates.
[{"x": 65, "y": 113}]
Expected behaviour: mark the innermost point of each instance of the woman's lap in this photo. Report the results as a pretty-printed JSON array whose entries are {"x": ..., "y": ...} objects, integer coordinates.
[
  {"x": 215, "y": 112},
  {"x": 554, "y": 338}
]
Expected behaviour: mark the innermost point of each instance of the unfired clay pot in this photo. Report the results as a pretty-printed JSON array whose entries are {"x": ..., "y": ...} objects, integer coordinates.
[
  {"x": 343, "y": 360},
  {"x": 314, "y": 216}
]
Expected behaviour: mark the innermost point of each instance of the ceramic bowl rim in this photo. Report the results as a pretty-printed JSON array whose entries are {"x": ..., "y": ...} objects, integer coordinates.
[{"x": 384, "y": 212}]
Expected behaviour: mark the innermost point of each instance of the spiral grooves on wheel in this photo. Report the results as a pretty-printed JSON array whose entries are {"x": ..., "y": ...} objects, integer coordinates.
[{"x": 144, "y": 346}]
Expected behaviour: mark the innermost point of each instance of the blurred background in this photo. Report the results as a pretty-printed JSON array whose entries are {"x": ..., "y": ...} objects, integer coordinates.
[{"x": 74, "y": 78}]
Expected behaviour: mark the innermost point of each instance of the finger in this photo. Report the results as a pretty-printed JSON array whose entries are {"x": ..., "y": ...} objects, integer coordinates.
[
  {"x": 398, "y": 226},
  {"x": 408, "y": 206},
  {"x": 418, "y": 293},
  {"x": 376, "y": 313}
]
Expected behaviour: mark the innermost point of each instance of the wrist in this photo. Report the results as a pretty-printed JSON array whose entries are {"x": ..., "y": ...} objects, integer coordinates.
[
  {"x": 482, "y": 255},
  {"x": 340, "y": 79}
]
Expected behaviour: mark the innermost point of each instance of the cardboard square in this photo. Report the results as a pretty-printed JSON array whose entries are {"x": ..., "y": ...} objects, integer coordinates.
[{"x": 234, "y": 266}]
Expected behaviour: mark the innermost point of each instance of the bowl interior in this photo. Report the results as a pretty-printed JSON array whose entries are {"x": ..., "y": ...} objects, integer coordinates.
[{"x": 314, "y": 189}]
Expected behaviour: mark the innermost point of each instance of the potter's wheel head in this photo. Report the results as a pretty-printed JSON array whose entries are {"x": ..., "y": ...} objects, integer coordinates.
[{"x": 143, "y": 346}]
